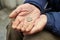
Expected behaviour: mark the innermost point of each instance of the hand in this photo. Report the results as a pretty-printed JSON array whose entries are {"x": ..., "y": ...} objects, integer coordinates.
[
  {"x": 39, "y": 25},
  {"x": 29, "y": 21},
  {"x": 24, "y": 9},
  {"x": 21, "y": 20}
]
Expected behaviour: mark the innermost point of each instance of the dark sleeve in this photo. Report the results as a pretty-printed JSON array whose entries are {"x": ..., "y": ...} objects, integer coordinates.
[
  {"x": 38, "y": 3},
  {"x": 53, "y": 22}
]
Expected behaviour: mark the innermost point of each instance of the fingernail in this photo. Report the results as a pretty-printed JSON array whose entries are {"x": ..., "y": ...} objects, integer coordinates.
[
  {"x": 9, "y": 16},
  {"x": 18, "y": 28},
  {"x": 23, "y": 29},
  {"x": 27, "y": 30},
  {"x": 13, "y": 27}
]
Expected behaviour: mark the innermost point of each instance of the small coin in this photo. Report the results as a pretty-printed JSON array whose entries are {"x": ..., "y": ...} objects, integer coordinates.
[{"x": 29, "y": 19}]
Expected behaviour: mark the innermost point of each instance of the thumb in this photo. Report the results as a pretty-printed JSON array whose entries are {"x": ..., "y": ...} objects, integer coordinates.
[{"x": 14, "y": 13}]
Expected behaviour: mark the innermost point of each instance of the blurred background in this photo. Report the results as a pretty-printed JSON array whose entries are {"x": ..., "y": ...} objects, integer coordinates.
[{"x": 6, "y": 7}]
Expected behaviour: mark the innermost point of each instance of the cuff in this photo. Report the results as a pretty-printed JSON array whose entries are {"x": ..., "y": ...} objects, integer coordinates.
[{"x": 50, "y": 21}]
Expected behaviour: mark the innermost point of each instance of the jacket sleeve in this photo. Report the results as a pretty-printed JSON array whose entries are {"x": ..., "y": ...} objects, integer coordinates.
[
  {"x": 53, "y": 22},
  {"x": 38, "y": 3}
]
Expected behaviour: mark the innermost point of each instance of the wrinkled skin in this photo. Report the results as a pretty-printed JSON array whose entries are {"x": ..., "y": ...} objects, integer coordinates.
[{"x": 27, "y": 10}]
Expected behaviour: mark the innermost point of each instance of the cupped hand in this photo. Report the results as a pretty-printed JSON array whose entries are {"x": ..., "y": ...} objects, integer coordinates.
[
  {"x": 21, "y": 22},
  {"x": 38, "y": 26},
  {"x": 28, "y": 22}
]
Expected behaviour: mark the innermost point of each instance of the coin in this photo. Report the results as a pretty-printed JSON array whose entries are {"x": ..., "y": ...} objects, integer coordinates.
[{"x": 29, "y": 19}]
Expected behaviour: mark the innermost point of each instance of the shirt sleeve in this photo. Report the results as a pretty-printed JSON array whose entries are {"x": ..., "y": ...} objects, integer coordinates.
[
  {"x": 39, "y": 3},
  {"x": 53, "y": 22}
]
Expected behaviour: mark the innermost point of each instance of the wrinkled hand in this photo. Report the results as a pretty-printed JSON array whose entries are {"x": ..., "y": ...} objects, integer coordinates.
[
  {"x": 38, "y": 26},
  {"x": 22, "y": 12},
  {"x": 29, "y": 21},
  {"x": 24, "y": 9},
  {"x": 21, "y": 23}
]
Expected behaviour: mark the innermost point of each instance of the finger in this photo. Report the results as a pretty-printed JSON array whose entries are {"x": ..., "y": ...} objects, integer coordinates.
[
  {"x": 15, "y": 13},
  {"x": 20, "y": 26},
  {"x": 17, "y": 21},
  {"x": 30, "y": 27},
  {"x": 25, "y": 25},
  {"x": 14, "y": 25}
]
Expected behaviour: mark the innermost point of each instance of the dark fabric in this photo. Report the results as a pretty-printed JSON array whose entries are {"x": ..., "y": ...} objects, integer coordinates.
[
  {"x": 0, "y": 4},
  {"x": 54, "y": 4},
  {"x": 53, "y": 23},
  {"x": 44, "y": 35},
  {"x": 13, "y": 34}
]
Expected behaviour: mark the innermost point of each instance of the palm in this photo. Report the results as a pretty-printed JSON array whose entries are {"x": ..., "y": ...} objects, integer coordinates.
[
  {"x": 39, "y": 25},
  {"x": 25, "y": 12}
]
